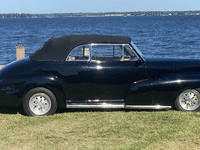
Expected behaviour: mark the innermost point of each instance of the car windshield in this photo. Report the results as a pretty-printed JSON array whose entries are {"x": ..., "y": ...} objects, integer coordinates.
[{"x": 137, "y": 50}]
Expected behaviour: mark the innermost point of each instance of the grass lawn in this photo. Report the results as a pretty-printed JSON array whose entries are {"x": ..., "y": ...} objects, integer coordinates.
[{"x": 101, "y": 130}]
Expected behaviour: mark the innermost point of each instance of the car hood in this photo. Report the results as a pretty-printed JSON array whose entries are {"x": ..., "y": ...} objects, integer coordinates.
[{"x": 171, "y": 65}]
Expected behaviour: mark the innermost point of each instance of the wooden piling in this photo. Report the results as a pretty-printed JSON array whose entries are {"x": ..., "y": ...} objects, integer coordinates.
[
  {"x": 1, "y": 66},
  {"x": 20, "y": 53}
]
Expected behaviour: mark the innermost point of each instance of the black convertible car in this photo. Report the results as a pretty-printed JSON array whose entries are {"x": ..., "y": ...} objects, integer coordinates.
[{"x": 98, "y": 71}]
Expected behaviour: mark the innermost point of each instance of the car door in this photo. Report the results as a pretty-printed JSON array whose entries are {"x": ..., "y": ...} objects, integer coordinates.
[
  {"x": 111, "y": 69},
  {"x": 75, "y": 73}
]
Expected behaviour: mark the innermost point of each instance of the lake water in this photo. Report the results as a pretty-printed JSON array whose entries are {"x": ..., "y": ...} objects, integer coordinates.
[{"x": 160, "y": 36}]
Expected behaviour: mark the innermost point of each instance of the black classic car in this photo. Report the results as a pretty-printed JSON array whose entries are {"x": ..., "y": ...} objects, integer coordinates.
[{"x": 98, "y": 71}]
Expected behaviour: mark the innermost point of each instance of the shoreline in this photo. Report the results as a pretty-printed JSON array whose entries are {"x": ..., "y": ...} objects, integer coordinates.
[{"x": 102, "y": 14}]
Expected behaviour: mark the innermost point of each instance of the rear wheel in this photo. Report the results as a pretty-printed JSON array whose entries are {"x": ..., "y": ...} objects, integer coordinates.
[
  {"x": 188, "y": 100},
  {"x": 39, "y": 102}
]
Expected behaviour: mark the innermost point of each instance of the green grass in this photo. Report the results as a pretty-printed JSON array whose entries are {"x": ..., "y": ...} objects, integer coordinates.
[{"x": 102, "y": 130}]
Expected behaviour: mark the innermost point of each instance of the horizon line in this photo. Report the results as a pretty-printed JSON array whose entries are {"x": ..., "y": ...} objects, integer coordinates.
[{"x": 102, "y": 12}]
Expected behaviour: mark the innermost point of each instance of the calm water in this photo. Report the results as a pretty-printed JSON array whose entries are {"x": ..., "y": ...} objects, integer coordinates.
[{"x": 163, "y": 36}]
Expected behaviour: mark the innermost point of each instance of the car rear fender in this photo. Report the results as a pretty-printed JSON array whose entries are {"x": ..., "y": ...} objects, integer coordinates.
[
  {"x": 49, "y": 81},
  {"x": 161, "y": 90}
]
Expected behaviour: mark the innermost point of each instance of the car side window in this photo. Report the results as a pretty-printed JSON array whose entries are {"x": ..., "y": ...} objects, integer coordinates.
[
  {"x": 113, "y": 53},
  {"x": 106, "y": 52},
  {"x": 129, "y": 53},
  {"x": 80, "y": 53}
]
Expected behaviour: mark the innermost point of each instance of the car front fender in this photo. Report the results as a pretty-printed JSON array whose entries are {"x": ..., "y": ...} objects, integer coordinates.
[{"x": 161, "y": 90}]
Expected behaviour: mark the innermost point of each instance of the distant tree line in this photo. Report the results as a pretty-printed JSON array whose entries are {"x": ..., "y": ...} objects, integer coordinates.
[{"x": 136, "y": 13}]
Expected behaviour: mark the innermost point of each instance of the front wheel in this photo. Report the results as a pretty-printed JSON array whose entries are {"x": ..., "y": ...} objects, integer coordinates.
[
  {"x": 188, "y": 100},
  {"x": 39, "y": 102}
]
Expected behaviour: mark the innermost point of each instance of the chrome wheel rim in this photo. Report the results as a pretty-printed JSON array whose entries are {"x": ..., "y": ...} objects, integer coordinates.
[
  {"x": 189, "y": 100},
  {"x": 40, "y": 104}
]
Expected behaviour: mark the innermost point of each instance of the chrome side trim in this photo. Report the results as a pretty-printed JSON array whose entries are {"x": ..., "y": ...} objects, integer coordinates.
[
  {"x": 96, "y": 101},
  {"x": 147, "y": 107},
  {"x": 118, "y": 106},
  {"x": 118, "y": 103},
  {"x": 95, "y": 106},
  {"x": 104, "y": 100}
]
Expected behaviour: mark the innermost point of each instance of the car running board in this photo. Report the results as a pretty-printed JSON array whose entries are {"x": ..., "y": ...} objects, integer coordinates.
[{"x": 109, "y": 104}]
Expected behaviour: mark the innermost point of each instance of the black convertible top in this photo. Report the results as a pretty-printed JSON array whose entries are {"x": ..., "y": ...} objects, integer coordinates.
[{"x": 57, "y": 49}]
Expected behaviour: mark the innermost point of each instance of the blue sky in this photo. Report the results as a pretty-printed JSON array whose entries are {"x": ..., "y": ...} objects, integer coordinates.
[{"x": 68, "y": 6}]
